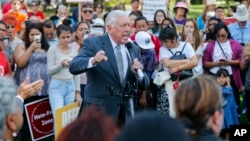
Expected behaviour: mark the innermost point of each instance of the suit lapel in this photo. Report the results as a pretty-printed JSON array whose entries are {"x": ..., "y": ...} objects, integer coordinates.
[{"x": 109, "y": 52}]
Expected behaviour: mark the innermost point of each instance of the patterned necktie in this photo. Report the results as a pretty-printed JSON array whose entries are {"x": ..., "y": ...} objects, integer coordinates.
[{"x": 119, "y": 62}]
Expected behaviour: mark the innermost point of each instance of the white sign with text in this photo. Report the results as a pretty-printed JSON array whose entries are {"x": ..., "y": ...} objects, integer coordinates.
[{"x": 150, "y": 6}]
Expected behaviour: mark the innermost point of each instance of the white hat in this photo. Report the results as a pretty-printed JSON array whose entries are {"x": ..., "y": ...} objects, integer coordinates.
[
  {"x": 211, "y": 2},
  {"x": 98, "y": 22},
  {"x": 241, "y": 13},
  {"x": 143, "y": 39},
  {"x": 210, "y": 14}
]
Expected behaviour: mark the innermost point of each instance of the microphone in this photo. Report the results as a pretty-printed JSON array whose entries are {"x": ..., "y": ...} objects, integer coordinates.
[
  {"x": 138, "y": 71},
  {"x": 140, "y": 74}
]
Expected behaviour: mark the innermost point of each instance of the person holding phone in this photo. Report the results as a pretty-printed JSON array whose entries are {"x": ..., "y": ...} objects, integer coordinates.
[
  {"x": 31, "y": 61},
  {"x": 190, "y": 34},
  {"x": 64, "y": 87},
  {"x": 224, "y": 52},
  {"x": 4, "y": 63}
]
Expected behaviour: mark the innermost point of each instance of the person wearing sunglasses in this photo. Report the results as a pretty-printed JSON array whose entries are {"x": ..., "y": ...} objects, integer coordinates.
[
  {"x": 10, "y": 34},
  {"x": 5, "y": 69},
  {"x": 34, "y": 6},
  {"x": 87, "y": 13},
  {"x": 224, "y": 52}
]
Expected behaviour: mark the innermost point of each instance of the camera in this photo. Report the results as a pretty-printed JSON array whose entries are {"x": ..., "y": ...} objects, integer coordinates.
[{"x": 37, "y": 38}]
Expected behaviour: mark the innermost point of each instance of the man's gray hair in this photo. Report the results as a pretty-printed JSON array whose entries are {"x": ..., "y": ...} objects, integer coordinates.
[
  {"x": 8, "y": 90},
  {"x": 113, "y": 15}
]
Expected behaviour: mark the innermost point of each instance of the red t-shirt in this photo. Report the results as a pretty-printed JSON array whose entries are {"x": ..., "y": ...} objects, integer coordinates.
[
  {"x": 38, "y": 14},
  {"x": 5, "y": 68},
  {"x": 7, "y": 7},
  {"x": 156, "y": 42}
]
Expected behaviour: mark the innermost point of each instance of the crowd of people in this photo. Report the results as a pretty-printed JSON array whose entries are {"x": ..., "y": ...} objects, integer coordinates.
[{"x": 190, "y": 73}]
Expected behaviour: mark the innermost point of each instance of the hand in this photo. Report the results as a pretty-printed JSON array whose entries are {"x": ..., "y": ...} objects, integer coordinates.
[
  {"x": 99, "y": 57},
  {"x": 3, "y": 46},
  {"x": 191, "y": 40},
  {"x": 245, "y": 54},
  {"x": 173, "y": 70},
  {"x": 136, "y": 65},
  {"x": 143, "y": 101},
  {"x": 78, "y": 98},
  {"x": 35, "y": 45},
  {"x": 241, "y": 89},
  {"x": 65, "y": 63},
  {"x": 221, "y": 63},
  {"x": 27, "y": 89}
]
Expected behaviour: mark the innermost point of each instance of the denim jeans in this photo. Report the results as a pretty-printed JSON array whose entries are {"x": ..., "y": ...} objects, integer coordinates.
[{"x": 61, "y": 93}]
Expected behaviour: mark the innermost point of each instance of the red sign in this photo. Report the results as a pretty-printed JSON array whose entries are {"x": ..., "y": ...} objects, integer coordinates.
[{"x": 40, "y": 119}]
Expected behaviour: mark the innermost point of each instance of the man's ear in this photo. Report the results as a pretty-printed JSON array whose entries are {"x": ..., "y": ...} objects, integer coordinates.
[{"x": 108, "y": 28}]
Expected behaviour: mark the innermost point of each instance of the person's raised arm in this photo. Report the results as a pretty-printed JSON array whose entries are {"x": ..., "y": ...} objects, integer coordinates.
[{"x": 21, "y": 55}]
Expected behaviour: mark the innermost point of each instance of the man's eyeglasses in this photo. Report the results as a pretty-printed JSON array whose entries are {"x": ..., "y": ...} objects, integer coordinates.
[
  {"x": 87, "y": 11},
  {"x": 221, "y": 36}
]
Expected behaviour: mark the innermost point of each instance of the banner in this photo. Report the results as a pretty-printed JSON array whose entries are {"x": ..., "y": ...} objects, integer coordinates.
[
  {"x": 151, "y": 6},
  {"x": 40, "y": 119},
  {"x": 65, "y": 115},
  {"x": 80, "y": 1}
]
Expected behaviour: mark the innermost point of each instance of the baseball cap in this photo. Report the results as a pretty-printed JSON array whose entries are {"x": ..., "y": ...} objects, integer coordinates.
[
  {"x": 143, "y": 39},
  {"x": 98, "y": 22}
]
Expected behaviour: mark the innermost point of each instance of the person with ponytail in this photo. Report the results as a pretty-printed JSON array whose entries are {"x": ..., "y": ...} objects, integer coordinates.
[{"x": 64, "y": 88}]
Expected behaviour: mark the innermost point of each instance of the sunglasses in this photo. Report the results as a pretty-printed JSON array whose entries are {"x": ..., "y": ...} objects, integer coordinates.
[
  {"x": 221, "y": 36},
  {"x": 87, "y": 11},
  {"x": 35, "y": 5},
  {"x": 10, "y": 27}
]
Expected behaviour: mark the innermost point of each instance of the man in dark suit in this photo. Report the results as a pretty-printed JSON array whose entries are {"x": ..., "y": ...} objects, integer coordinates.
[{"x": 100, "y": 60}]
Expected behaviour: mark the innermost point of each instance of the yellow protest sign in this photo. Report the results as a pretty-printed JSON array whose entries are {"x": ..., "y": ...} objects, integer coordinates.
[{"x": 64, "y": 116}]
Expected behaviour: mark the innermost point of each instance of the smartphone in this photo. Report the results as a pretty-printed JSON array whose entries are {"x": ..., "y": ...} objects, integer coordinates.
[
  {"x": 37, "y": 38},
  {"x": 6, "y": 40},
  {"x": 222, "y": 60},
  {"x": 190, "y": 33}
]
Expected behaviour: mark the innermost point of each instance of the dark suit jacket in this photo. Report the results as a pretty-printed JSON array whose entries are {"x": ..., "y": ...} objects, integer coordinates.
[{"x": 103, "y": 74}]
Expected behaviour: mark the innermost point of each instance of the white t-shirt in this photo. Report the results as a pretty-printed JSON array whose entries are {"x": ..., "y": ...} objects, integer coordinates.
[
  {"x": 218, "y": 54},
  {"x": 200, "y": 51},
  {"x": 15, "y": 42},
  {"x": 188, "y": 51}
]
